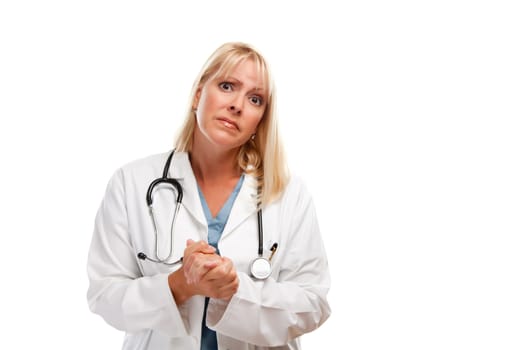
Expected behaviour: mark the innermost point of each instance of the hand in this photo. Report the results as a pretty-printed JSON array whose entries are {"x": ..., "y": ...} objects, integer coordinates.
[
  {"x": 203, "y": 273},
  {"x": 220, "y": 282},
  {"x": 199, "y": 258},
  {"x": 208, "y": 273}
]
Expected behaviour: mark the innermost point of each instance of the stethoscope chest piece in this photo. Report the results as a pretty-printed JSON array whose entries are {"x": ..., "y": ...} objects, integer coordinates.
[{"x": 261, "y": 268}]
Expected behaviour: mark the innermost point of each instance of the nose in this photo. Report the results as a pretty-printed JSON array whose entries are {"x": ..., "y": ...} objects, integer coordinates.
[
  {"x": 236, "y": 105},
  {"x": 235, "y": 110}
]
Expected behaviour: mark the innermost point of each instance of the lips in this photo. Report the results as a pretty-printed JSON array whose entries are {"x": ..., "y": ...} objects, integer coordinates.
[{"x": 230, "y": 124}]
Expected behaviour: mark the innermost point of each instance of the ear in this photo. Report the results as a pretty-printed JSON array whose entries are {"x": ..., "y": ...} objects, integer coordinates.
[{"x": 196, "y": 98}]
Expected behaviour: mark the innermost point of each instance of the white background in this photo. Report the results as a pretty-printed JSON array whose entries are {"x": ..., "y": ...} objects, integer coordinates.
[{"x": 405, "y": 119}]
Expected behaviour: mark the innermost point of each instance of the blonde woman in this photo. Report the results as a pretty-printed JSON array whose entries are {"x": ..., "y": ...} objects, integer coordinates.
[{"x": 213, "y": 245}]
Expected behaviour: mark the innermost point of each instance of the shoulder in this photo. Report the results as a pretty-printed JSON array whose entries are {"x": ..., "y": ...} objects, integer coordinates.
[
  {"x": 143, "y": 169},
  {"x": 296, "y": 193},
  {"x": 141, "y": 164},
  {"x": 154, "y": 164},
  {"x": 296, "y": 185}
]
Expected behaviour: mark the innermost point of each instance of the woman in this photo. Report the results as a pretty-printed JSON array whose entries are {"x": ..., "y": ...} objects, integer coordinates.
[{"x": 238, "y": 204}]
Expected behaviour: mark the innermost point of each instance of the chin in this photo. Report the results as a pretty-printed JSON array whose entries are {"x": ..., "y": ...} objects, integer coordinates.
[{"x": 226, "y": 141}]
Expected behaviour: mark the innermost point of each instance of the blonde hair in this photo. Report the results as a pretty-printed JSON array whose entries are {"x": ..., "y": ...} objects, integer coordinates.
[{"x": 263, "y": 157}]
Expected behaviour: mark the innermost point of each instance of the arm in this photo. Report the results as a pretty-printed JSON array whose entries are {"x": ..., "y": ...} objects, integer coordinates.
[
  {"x": 274, "y": 311},
  {"x": 117, "y": 290}
]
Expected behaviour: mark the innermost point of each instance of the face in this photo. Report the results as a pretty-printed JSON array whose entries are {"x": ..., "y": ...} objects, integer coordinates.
[{"x": 228, "y": 109}]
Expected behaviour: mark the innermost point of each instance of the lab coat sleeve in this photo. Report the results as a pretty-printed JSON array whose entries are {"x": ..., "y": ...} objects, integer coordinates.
[
  {"x": 117, "y": 290},
  {"x": 274, "y": 311}
]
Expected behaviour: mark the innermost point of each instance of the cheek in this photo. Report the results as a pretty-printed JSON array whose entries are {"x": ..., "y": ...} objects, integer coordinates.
[
  {"x": 204, "y": 106},
  {"x": 206, "y": 98},
  {"x": 211, "y": 99},
  {"x": 201, "y": 105},
  {"x": 256, "y": 119}
]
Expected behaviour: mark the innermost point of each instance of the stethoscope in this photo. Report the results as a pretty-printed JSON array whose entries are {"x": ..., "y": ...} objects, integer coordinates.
[{"x": 260, "y": 267}]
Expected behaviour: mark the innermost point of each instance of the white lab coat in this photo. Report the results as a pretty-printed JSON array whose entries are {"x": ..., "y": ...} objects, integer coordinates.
[{"x": 133, "y": 295}]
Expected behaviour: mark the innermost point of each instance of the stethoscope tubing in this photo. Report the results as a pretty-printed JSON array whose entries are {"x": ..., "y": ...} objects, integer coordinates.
[{"x": 176, "y": 185}]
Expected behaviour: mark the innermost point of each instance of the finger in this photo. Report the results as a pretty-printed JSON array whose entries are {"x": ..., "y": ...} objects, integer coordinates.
[
  {"x": 187, "y": 263},
  {"x": 222, "y": 288},
  {"x": 226, "y": 263},
  {"x": 201, "y": 264},
  {"x": 196, "y": 275},
  {"x": 214, "y": 290},
  {"x": 220, "y": 276},
  {"x": 194, "y": 265},
  {"x": 226, "y": 291},
  {"x": 196, "y": 247},
  {"x": 210, "y": 264},
  {"x": 199, "y": 246}
]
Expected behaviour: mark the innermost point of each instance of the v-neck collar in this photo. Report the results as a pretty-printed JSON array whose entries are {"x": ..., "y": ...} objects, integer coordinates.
[
  {"x": 224, "y": 212},
  {"x": 244, "y": 206}
]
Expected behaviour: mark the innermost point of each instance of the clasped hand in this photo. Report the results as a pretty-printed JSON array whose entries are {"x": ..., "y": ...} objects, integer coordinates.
[{"x": 208, "y": 273}]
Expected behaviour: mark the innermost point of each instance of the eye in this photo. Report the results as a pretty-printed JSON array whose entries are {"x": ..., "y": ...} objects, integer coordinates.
[
  {"x": 226, "y": 86},
  {"x": 256, "y": 100}
]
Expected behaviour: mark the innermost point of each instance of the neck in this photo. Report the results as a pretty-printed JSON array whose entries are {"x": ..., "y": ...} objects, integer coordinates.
[{"x": 214, "y": 165}]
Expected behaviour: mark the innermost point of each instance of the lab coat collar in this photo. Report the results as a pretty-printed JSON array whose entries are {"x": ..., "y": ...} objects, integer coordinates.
[{"x": 244, "y": 206}]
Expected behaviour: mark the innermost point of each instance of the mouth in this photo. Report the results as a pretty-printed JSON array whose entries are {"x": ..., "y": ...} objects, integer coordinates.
[{"x": 230, "y": 124}]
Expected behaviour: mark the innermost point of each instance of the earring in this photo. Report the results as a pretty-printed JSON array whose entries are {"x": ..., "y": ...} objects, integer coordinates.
[{"x": 253, "y": 137}]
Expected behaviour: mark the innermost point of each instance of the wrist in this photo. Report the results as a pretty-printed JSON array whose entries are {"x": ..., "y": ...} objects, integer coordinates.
[{"x": 179, "y": 288}]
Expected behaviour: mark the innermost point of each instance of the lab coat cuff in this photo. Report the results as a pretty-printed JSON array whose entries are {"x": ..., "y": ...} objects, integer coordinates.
[
  {"x": 217, "y": 310},
  {"x": 163, "y": 312},
  {"x": 223, "y": 315}
]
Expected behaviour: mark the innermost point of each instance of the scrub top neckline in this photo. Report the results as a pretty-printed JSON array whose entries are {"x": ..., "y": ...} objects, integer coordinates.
[{"x": 224, "y": 212}]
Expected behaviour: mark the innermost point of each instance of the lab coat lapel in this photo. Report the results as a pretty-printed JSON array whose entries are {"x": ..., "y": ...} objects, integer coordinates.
[
  {"x": 245, "y": 205},
  {"x": 180, "y": 169}
]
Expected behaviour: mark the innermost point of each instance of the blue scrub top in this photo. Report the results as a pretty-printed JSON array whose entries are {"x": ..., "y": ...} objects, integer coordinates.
[{"x": 215, "y": 229}]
